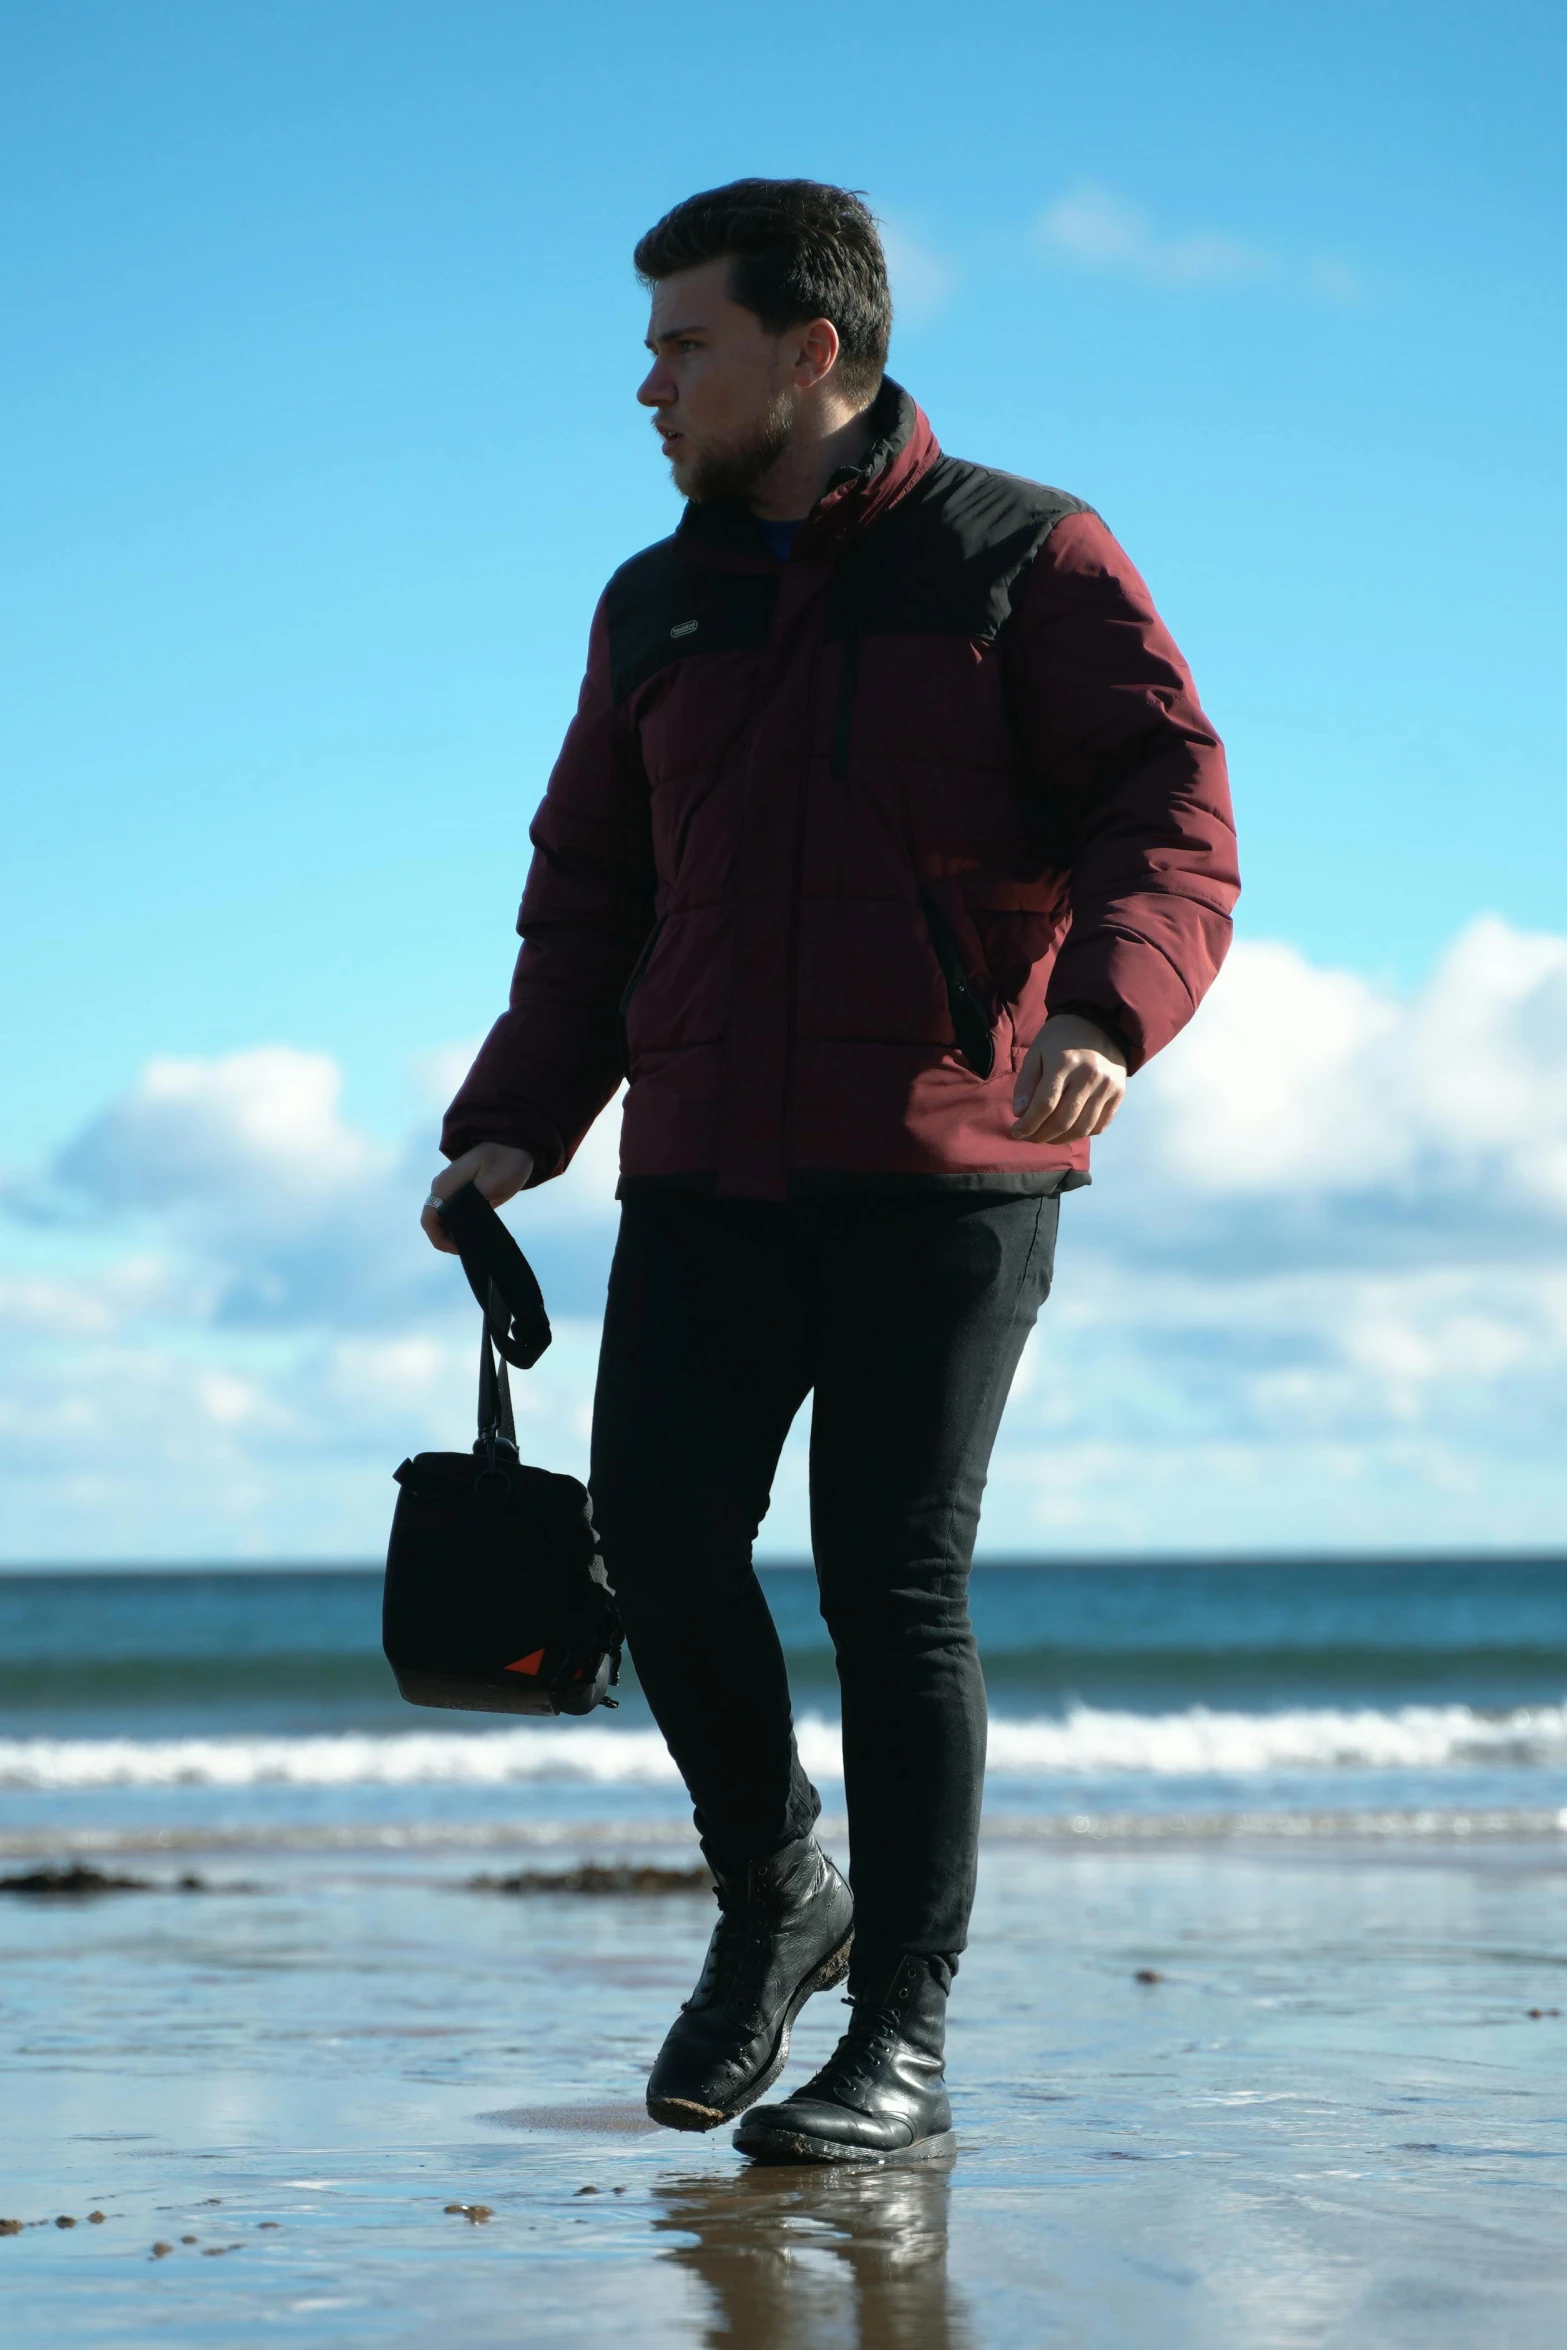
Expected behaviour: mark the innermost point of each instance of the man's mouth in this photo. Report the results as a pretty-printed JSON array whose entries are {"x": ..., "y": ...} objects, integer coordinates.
[{"x": 667, "y": 434}]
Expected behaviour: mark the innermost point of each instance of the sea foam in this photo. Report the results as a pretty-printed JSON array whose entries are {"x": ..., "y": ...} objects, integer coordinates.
[{"x": 1083, "y": 1741}]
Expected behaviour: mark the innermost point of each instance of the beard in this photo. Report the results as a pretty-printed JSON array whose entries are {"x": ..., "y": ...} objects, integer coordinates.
[{"x": 731, "y": 471}]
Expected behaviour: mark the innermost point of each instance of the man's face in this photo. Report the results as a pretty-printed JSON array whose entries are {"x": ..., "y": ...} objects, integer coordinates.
[{"x": 721, "y": 387}]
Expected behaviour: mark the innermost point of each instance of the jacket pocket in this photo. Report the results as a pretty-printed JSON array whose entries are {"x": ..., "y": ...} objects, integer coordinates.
[
  {"x": 970, "y": 1020},
  {"x": 638, "y": 974}
]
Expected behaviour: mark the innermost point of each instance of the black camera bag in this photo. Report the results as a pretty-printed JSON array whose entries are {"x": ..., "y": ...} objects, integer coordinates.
[{"x": 496, "y": 1599}]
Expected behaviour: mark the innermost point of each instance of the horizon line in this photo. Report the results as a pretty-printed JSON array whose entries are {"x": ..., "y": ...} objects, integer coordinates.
[{"x": 37, "y": 1569}]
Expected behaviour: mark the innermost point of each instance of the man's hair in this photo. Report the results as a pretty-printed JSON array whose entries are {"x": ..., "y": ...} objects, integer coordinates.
[{"x": 800, "y": 250}]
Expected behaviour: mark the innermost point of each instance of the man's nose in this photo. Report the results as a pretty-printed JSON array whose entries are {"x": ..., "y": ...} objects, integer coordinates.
[{"x": 656, "y": 390}]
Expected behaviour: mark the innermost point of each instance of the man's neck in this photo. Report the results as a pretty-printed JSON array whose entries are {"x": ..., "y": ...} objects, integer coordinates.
[{"x": 791, "y": 487}]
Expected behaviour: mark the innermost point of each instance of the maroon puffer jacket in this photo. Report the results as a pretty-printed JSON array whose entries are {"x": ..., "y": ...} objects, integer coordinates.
[{"x": 827, "y": 838}]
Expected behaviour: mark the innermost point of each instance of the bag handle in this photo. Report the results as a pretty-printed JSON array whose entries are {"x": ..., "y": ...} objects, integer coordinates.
[
  {"x": 496, "y": 1424},
  {"x": 502, "y": 1280}
]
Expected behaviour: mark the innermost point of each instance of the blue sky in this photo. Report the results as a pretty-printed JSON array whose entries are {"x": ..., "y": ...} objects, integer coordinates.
[{"x": 322, "y": 337}]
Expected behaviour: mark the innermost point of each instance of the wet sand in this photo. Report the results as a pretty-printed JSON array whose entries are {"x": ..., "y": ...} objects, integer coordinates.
[{"x": 361, "y": 2103}]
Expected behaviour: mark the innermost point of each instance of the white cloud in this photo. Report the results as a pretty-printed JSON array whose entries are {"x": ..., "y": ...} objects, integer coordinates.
[
  {"x": 1092, "y": 228},
  {"x": 1100, "y": 230},
  {"x": 271, "y": 1212},
  {"x": 230, "y": 1401},
  {"x": 230, "y": 1327},
  {"x": 923, "y": 280},
  {"x": 1335, "y": 281},
  {"x": 1319, "y": 1288},
  {"x": 1317, "y": 1294},
  {"x": 1276, "y": 1085},
  {"x": 1298, "y": 1083},
  {"x": 265, "y": 1123},
  {"x": 436, "y": 1075},
  {"x": 47, "y": 1305}
]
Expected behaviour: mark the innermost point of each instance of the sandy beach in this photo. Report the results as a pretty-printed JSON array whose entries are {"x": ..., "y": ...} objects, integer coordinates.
[{"x": 1332, "y": 2119}]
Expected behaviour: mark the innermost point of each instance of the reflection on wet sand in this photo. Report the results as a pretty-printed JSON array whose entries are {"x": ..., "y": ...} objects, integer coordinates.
[{"x": 820, "y": 2259}]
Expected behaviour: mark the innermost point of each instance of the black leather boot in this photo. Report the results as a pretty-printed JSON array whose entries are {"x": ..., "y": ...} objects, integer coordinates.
[
  {"x": 880, "y": 2096},
  {"x": 783, "y": 1931}
]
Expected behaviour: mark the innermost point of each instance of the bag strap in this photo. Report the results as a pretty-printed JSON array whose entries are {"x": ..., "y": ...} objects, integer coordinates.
[
  {"x": 502, "y": 1280},
  {"x": 496, "y": 1424}
]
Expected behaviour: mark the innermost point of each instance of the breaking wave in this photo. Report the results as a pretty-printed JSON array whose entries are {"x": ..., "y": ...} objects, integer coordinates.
[
  {"x": 1084, "y": 1741},
  {"x": 1205, "y": 1743}
]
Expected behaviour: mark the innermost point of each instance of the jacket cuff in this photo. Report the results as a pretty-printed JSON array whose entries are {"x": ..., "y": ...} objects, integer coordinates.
[
  {"x": 517, "y": 1126},
  {"x": 1122, "y": 976}
]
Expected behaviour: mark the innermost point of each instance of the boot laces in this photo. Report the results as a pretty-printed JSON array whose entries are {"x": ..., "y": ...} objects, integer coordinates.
[
  {"x": 739, "y": 1937},
  {"x": 864, "y": 2047}
]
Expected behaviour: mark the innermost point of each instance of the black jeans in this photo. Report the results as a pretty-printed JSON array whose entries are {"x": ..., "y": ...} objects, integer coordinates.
[{"x": 906, "y": 1315}]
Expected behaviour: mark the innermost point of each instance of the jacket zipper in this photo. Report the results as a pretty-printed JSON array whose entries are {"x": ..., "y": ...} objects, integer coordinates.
[
  {"x": 797, "y": 878},
  {"x": 623, "y": 1014},
  {"x": 970, "y": 1020}
]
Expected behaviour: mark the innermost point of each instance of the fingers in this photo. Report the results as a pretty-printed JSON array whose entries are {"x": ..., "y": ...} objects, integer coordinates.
[
  {"x": 1085, "y": 1110},
  {"x": 1082, "y": 1102},
  {"x": 1036, "y": 1095},
  {"x": 497, "y": 1172},
  {"x": 1079, "y": 1104},
  {"x": 450, "y": 1179},
  {"x": 435, "y": 1232},
  {"x": 461, "y": 1171}
]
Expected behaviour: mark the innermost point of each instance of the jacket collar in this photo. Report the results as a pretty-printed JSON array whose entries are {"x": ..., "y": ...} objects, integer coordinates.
[{"x": 902, "y": 449}]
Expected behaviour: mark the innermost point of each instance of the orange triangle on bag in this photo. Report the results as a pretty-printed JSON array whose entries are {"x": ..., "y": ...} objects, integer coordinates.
[{"x": 528, "y": 1664}]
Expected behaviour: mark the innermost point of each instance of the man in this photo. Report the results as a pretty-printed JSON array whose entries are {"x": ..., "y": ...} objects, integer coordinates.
[{"x": 888, "y": 837}]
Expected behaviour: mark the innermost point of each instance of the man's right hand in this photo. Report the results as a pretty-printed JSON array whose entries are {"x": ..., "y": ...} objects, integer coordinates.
[{"x": 496, "y": 1171}]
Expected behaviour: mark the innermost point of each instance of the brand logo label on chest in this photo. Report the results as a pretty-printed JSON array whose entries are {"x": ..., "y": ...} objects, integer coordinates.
[{"x": 685, "y": 628}]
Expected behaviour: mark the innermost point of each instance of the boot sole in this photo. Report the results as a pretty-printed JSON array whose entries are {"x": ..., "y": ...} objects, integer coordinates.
[
  {"x": 796, "y": 2146},
  {"x": 678, "y": 2113}
]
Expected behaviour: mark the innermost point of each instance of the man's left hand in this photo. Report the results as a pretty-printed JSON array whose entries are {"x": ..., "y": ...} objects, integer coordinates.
[{"x": 1071, "y": 1083}]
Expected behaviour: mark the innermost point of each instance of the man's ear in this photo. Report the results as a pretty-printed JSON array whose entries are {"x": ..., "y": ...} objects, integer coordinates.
[{"x": 816, "y": 352}]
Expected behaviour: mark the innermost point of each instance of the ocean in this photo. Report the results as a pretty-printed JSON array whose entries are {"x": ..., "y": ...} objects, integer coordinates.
[
  {"x": 1313, "y": 1698},
  {"x": 1257, "y": 2044}
]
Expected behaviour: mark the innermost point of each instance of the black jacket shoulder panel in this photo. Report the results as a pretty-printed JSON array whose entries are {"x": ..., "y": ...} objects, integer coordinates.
[
  {"x": 661, "y": 607},
  {"x": 949, "y": 558}
]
